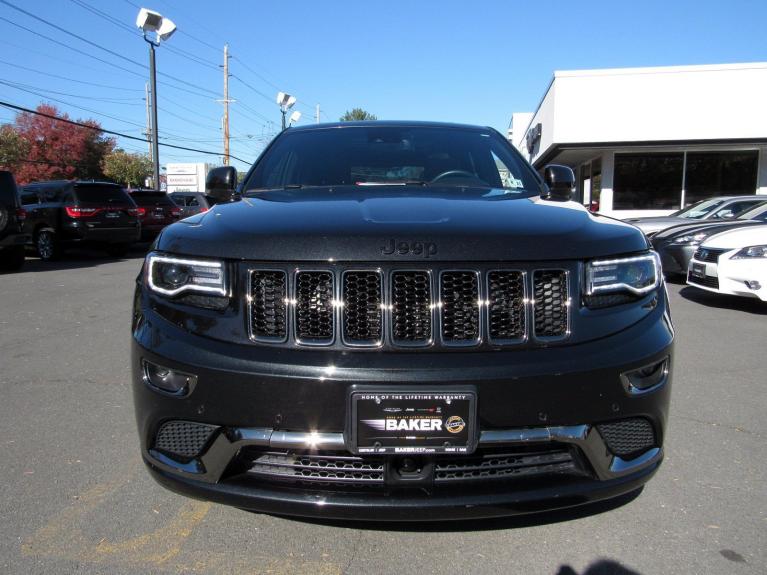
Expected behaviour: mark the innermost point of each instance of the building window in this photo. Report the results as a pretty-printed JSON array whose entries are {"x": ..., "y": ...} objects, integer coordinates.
[
  {"x": 720, "y": 174},
  {"x": 648, "y": 181}
]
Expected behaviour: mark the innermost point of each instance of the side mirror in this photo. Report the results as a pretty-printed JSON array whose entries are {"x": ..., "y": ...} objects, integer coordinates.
[
  {"x": 560, "y": 180},
  {"x": 221, "y": 184}
]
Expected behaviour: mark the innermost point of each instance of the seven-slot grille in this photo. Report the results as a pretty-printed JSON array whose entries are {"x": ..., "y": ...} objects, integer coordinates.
[{"x": 408, "y": 308}]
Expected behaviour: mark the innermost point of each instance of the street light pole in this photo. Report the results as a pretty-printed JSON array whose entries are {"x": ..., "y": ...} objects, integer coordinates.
[
  {"x": 152, "y": 22},
  {"x": 155, "y": 143}
]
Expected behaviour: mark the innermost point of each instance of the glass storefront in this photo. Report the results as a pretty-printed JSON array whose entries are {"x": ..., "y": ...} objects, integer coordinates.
[{"x": 660, "y": 181}]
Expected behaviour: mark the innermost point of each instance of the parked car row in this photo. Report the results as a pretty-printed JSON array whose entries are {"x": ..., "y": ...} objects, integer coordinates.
[
  {"x": 718, "y": 244},
  {"x": 53, "y": 215}
]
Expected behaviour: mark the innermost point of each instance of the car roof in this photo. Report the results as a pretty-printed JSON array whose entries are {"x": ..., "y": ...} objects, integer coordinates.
[{"x": 387, "y": 124}]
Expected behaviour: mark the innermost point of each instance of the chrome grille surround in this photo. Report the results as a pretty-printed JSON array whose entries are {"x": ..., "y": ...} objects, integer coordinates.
[
  {"x": 363, "y": 309},
  {"x": 504, "y": 317},
  {"x": 459, "y": 299},
  {"x": 507, "y": 303},
  {"x": 551, "y": 302}
]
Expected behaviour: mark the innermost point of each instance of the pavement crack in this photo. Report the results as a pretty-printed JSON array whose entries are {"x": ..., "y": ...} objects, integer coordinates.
[
  {"x": 355, "y": 550},
  {"x": 717, "y": 424}
]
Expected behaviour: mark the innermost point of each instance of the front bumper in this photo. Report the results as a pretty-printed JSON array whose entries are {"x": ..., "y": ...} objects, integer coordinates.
[
  {"x": 739, "y": 277},
  {"x": 675, "y": 258},
  {"x": 15, "y": 240},
  {"x": 265, "y": 400}
]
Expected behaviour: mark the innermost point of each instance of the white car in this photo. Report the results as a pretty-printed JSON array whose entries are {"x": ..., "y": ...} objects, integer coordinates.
[{"x": 733, "y": 262}]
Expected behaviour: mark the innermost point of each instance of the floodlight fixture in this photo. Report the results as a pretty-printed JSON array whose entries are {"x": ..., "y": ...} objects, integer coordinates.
[
  {"x": 285, "y": 101},
  {"x": 151, "y": 21},
  {"x": 294, "y": 117}
]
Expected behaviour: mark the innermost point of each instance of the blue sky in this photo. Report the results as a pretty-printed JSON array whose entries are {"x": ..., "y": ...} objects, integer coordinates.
[{"x": 472, "y": 62}]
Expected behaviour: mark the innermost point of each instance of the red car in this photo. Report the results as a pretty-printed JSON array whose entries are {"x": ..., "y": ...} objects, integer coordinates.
[{"x": 155, "y": 210}]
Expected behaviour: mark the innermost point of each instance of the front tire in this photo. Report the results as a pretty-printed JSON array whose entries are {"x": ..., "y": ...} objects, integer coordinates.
[
  {"x": 12, "y": 259},
  {"x": 47, "y": 245}
]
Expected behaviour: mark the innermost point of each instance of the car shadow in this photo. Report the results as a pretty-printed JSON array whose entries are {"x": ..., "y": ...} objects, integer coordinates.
[
  {"x": 601, "y": 567},
  {"x": 79, "y": 258},
  {"x": 494, "y": 524},
  {"x": 723, "y": 301}
]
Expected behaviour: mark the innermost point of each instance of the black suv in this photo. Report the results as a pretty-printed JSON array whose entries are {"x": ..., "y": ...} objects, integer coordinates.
[
  {"x": 400, "y": 321},
  {"x": 66, "y": 213},
  {"x": 12, "y": 216}
]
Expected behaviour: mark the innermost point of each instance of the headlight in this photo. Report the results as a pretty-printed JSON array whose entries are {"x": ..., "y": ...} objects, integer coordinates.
[
  {"x": 638, "y": 275},
  {"x": 751, "y": 252},
  {"x": 172, "y": 276},
  {"x": 690, "y": 239}
]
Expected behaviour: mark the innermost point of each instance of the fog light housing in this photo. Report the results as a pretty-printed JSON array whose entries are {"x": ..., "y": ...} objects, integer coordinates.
[
  {"x": 168, "y": 380},
  {"x": 646, "y": 378}
]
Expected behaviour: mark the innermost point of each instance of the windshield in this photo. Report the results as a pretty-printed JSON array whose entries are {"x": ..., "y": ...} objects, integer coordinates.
[
  {"x": 698, "y": 209},
  {"x": 392, "y": 155},
  {"x": 757, "y": 213},
  {"x": 151, "y": 199}
]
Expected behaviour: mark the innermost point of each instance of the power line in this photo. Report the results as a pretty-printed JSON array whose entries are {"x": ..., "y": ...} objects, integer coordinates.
[
  {"x": 70, "y": 79},
  {"x": 119, "y": 101},
  {"x": 110, "y": 132},
  {"x": 95, "y": 45}
]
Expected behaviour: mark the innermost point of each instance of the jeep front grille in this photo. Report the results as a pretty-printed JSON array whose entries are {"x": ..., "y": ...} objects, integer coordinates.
[
  {"x": 550, "y": 303},
  {"x": 411, "y": 307},
  {"x": 268, "y": 310},
  {"x": 506, "y": 297},
  {"x": 314, "y": 307},
  {"x": 440, "y": 307},
  {"x": 362, "y": 310},
  {"x": 459, "y": 306}
]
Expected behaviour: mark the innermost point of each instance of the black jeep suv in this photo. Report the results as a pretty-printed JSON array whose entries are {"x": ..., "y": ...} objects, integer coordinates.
[
  {"x": 400, "y": 321},
  {"x": 66, "y": 213},
  {"x": 13, "y": 236}
]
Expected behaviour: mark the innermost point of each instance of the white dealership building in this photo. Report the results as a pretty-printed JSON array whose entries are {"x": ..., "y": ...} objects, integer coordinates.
[
  {"x": 646, "y": 141},
  {"x": 186, "y": 177}
]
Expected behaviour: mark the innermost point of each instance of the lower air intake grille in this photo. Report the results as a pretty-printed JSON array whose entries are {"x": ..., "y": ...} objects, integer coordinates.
[
  {"x": 502, "y": 466},
  {"x": 460, "y": 307},
  {"x": 363, "y": 313},
  {"x": 321, "y": 468},
  {"x": 506, "y": 293},
  {"x": 268, "y": 308},
  {"x": 183, "y": 439},
  {"x": 550, "y": 295},
  {"x": 708, "y": 281},
  {"x": 314, "y": 307},
  {"x": 411, "y": 302},
  {"x": 628, "y": 437}
]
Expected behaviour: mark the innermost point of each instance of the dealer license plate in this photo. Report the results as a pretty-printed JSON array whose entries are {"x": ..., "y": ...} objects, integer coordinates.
[
  {"x": 698, "y": 271},
  {"x": 397, "y": 421}
]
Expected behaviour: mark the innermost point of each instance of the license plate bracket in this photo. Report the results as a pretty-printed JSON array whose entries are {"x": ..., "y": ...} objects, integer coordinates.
[
  {"x": 402, "y": 420},
  {"x": 698, "y": 270}
]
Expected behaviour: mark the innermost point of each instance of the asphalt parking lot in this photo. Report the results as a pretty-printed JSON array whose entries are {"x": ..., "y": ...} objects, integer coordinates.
[{"x": 74, "y": 496}]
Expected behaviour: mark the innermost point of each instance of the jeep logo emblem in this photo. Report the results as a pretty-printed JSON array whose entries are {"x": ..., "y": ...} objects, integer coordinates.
[{"x": 423, "y": 249}]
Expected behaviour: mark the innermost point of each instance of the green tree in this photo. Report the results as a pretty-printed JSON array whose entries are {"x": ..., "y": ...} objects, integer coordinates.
[
  {"x": 357, "y": 114},
  {"x": 13, "y": 148},
  {"x": 125, "y": 168}
]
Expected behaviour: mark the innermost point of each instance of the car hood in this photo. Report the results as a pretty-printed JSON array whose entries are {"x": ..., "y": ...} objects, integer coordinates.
[
  {"x": 399, "y": 224},
  {"x": 739, "y": 238},
  {"x": 700, "y": 226}
]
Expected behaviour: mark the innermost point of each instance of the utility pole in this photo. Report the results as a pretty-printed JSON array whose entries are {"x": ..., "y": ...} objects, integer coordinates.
[
  {"x": 317, "y": 114},
  {"x": 148, "y": 132},
  {"x": 155, "y": 134},
  {"x": 226, "y": 104}
]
